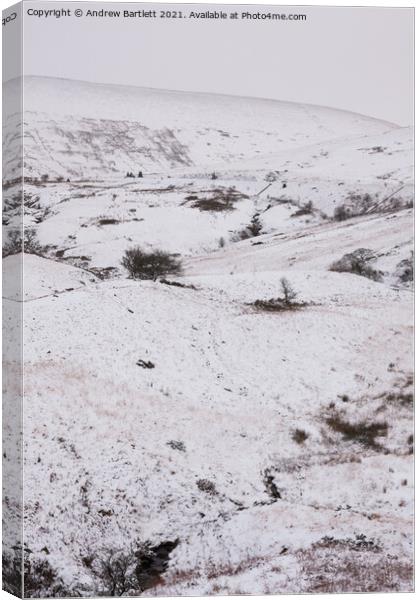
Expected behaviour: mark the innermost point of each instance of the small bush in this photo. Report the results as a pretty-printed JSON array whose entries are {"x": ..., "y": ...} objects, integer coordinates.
[
  {"x": 405, "y": 269},
  {"x": 145, "y": 364},
  {"x": 342, "y": 212},
  {"x": 299, "y": 436},
  {"x": 410, "y": 442},
  {"x": 204, "y": 485},
  {"x": 177, "y": 445},
  {"x": 357, "y": 262},
  {"x": 271, "y": 176},
  {"x": 252, "y": 230},
  {"x": 150, "y": 265},
  {"x": 270, "y": 486}
]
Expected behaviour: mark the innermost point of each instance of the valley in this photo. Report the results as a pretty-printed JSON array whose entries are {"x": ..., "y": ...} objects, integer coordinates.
[{"x": 241, "y": 425}]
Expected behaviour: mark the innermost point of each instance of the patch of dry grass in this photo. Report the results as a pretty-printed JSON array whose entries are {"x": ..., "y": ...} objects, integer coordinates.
[{"x": 341, "y": 567}]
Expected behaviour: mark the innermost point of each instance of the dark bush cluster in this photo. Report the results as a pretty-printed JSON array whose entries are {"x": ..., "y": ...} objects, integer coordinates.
[
  {"x": 150, "y": 265},
  {"x": 357, "y": 262},
  {"x": 205, "y": 485},
  {"x": 220, "y": 200},
  {"x": 14, "y": 243}
]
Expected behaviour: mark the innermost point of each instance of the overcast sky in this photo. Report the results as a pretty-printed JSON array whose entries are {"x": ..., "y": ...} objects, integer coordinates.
[{"x": 358, "y": 59}]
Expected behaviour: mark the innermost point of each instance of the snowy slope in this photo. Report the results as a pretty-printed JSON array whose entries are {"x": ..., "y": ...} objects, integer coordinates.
[{"x": 78, "y": 129}]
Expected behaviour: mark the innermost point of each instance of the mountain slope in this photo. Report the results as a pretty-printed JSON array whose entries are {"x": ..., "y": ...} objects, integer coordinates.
[{"x": 79, "y": 129}]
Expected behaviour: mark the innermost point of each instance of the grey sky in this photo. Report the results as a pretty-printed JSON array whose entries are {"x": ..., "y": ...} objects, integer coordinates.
[{"x": 358, "y": 59}]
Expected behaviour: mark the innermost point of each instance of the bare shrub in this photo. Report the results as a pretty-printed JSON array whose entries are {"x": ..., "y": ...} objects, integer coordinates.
[
  {"x": 130, "y": 571},
  {"x": 357, "y": 262},
  {"x": 150, "y": 265},
  {"x": 115, "y": 570},
  {"x": 289, "y": 294}
]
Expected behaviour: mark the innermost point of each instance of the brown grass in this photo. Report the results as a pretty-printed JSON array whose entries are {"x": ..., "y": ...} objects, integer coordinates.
[
  {"x": 338, "y": 569},
  {"x": 277, "y": 305},
  {"x": 361, "y": 432}
]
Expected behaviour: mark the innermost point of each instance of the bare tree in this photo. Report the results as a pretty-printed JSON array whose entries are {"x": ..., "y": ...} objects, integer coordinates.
[
  {"x": 289, "y": 294},
  {"x": 116, "y": 571}
]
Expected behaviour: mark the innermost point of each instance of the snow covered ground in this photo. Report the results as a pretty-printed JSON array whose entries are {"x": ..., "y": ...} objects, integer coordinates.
[{"x": 274, "y": 446}]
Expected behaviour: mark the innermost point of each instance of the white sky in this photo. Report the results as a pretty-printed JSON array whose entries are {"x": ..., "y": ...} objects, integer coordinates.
[{"x": 358, "y": 59}]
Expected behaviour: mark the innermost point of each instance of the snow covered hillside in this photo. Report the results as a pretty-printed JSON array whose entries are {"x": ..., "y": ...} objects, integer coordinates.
[
  {"x": 240, "y": 422},
  {"x": 86, "y": 130}
]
